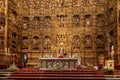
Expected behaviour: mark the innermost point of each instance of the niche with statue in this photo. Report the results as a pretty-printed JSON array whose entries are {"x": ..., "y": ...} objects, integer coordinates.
[
  {"x": 47, "y": 43},
  {"x": 36, "y": 43},
  {"x": 76, "y": 43}
]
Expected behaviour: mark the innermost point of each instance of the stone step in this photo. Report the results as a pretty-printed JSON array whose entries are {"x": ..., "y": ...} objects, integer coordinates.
[
  {"x": 57, "y": 78},
  {"x": 58, "y": 75}
]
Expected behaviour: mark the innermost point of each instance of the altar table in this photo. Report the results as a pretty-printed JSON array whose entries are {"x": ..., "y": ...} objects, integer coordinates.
[{"x": 58, "y": 63}]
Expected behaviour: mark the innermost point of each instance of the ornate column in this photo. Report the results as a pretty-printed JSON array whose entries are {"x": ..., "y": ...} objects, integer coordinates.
[
  {"x": 6, "y": 32},
  {"x": 118, "y": 30}
]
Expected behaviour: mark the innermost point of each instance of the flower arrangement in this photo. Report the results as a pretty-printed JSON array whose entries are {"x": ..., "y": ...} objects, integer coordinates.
[
  {"x": 57, "y": 66},
  {"x": 13, "y": 67},
  {"x": 108, "y": 69}
]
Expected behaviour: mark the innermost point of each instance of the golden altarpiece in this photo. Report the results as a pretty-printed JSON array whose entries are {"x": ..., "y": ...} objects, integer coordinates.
[{"x": 85, "y": 29}]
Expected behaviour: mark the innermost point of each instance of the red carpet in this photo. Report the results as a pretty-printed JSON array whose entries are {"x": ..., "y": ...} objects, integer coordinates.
[{"x": 36, "y": 74}]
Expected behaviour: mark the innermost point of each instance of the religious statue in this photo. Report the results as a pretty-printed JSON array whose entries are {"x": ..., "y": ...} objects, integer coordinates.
[
  {"x": 36, "y": 24},
  {"x": 62, "y": 22},
  {"x": 25, "y": 25},
  {"x": 62, "y": 53},
  {"x": 76, "y": 43},
  {"x": 76, "y": 19},
  {"x": 25, "y": 42},
  {"x": 35, "y": 41},
  {"x": 112, "y": 52},
  {"x": 88, "y": 40},
  {"x": 87, "y": 23},
  {"x": 13, "y": 58},
  {"x": 47, "y": 43},
  {"x": 100, "y": 19},
  {"x": 48, "y": 22}
]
